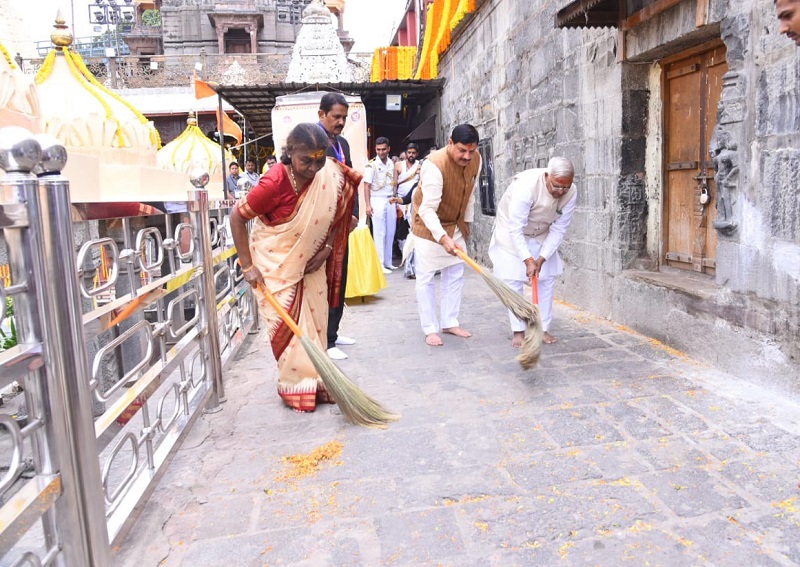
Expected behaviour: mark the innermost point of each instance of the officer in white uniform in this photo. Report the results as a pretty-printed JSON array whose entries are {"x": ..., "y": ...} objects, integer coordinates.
[{"x": 380, "y": 188}]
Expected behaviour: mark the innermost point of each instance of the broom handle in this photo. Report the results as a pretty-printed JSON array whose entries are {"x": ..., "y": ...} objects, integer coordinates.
[
  {"x": 280, "y": 310},
  {"x": 472, "y": 263},
  {"x": 535, "y": 289}
]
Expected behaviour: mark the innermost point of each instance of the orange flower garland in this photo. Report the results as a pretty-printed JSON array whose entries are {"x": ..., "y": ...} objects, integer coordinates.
[
  {"x": 443, "y": 17},
  {"x": 393, "y": 63}
]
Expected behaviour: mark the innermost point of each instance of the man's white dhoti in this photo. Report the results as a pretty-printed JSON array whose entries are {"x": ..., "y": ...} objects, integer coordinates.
[{"x": 430, "y": 257}]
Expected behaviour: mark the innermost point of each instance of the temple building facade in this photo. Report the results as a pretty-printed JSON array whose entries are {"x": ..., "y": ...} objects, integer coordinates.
[{"x": 237, "y": 26}]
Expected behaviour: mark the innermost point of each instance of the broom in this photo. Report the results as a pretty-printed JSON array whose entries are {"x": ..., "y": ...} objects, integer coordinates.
[
  {"x": 507, "y": 296},
  {"x": 356, "y": 405},
  {"x": 531, "y": 347}
]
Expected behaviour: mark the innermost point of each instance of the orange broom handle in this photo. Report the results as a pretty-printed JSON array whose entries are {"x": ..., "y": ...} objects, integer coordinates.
[
  {"x": 472, "y": 263},
  {"x": 280, "y": 310},
  {"x": 535, "y": 289}
]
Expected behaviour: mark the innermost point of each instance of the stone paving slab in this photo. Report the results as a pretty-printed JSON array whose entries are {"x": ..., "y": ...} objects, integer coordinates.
[{"x": 614, "y": 450}]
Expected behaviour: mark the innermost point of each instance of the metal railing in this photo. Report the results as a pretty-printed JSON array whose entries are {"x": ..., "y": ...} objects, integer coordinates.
[{"x": 107, "y": 403}]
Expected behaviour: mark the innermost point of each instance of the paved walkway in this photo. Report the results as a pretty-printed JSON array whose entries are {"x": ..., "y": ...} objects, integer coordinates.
[{"x": 615, "y": 450}]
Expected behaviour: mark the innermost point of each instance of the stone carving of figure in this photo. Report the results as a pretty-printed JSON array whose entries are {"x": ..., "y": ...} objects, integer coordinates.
[{"x": 724, "y": 152}]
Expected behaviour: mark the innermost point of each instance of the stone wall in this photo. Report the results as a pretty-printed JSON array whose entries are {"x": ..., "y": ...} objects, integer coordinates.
[{"x": 537, "y": 91}]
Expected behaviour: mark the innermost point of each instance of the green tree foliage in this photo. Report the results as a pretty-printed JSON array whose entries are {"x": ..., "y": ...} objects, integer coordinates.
[{"x": 151, "y": 18}]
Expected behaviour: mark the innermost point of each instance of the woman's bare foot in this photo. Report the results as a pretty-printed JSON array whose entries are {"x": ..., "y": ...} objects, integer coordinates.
[
  {"x": 549, "y": 339},
  {"x": 433, "y": 339},
  {"x": 457, "y": 331},
  {"x": 519, "y": 336}
]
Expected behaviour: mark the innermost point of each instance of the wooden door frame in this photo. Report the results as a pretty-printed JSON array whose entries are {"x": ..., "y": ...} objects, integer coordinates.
[{"x": 664, "y": 63}]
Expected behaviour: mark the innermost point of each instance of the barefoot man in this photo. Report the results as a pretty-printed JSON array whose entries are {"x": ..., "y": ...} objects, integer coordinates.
[
  {"x": 443, "y": 209},
  {"x": 532, "y": 217}
]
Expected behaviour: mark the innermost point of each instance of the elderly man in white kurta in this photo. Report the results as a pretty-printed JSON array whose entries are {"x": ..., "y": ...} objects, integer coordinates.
[
  {"x": 442, "y": 213},
  {"x": 532, "y": 217}
]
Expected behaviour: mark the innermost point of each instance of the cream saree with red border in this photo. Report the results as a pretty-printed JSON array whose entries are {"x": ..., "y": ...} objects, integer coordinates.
[{"x": 281, "y": 253}]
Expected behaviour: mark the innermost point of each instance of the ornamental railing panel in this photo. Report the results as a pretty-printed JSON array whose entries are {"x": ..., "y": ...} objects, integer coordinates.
[{"x": 124, "y": 326}]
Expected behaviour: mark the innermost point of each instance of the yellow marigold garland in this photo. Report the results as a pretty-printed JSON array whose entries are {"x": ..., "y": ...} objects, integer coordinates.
[
  {"x": 376, "y": 74},
  {"x": 76, "y": 72},
  {"x": 424, "y": 64},
  {"x": 7, "y": 56},
  {"x": 393, "y": 63},
  {"x": 443, "y": 17},
  {"x": 155, "y": 138},
  {"x": 46, "y": 68},
  {"x": 443, "y": 35}
]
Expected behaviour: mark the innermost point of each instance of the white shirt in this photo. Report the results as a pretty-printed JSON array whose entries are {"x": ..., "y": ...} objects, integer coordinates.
[
  {"x": 510, "y": 264},
  {"x": 252, "y": 177},
  {"x": 380, "y": 176},
  {"x": 411, "y": 176}
]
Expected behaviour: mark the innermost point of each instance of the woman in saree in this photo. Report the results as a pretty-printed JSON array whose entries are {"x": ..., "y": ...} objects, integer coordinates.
[{"x": 302, "y": 209}]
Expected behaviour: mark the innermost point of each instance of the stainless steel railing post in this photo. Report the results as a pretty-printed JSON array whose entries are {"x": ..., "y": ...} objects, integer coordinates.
[
  {"x": 203, "y": 257},
  {"x": 80, "y": 513}
]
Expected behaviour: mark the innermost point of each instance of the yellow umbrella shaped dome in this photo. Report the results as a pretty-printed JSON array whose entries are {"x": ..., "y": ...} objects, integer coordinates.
[
  {"x": 79, "y": 110},
  {"x": 192, "y": 150}
]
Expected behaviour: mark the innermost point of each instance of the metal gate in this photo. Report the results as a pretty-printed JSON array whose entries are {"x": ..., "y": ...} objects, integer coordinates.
[{"x": 105, "y": 407}]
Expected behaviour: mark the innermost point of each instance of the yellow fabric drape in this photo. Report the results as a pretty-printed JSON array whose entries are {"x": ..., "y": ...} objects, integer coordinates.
[
  {"x": 364, "y": 271},
  {"x": 443, "y": 17}
]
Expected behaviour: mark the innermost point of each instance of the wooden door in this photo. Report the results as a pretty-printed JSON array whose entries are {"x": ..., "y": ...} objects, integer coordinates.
[{"x": 692, "y": 88}]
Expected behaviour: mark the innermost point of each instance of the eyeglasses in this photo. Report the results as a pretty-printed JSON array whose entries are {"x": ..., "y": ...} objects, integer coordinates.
[{"x": 557, "y": 187}]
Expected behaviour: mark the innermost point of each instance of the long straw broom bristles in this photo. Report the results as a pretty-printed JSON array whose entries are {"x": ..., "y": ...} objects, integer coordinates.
[
  {"x": 532, "y": 345},
  {"x": 356, "y": 405}
]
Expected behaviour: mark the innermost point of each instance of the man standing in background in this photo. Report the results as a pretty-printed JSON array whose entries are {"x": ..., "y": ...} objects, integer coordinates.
[
  {"x": 379, "y": 188},
  {"x": 232, "y": 181},
  {"x": 333, "y": 108},
  {"x": 250, "y": 172},
  {"x": 406, "y": 174}
]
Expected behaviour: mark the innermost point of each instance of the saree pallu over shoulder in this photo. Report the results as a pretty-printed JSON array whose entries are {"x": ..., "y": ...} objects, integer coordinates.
[{"x": 348, "y": 193}]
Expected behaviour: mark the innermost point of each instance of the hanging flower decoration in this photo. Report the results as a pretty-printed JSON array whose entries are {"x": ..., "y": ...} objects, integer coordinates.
[
  {"x": 393, "y": 63},
  {"x": 443, "y": 17}
]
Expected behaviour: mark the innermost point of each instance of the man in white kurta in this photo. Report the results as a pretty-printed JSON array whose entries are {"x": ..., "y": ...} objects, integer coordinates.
[
  {"x": 437, "y": 250},
  {"x": 380, "y": 187},
  {"x": 532, "y": 218}
]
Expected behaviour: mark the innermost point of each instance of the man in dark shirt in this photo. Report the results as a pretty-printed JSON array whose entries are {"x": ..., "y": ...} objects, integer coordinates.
[{"x": 333, "y": 108}]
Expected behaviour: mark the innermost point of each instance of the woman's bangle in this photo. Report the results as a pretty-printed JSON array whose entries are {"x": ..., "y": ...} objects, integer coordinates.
[
  {"x": 248, "y": 268},
  {"x": 328, "y": 246}
]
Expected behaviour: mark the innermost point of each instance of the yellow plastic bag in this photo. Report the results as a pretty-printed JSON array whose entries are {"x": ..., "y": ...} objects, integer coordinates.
[{"x": 364, "y": 270}]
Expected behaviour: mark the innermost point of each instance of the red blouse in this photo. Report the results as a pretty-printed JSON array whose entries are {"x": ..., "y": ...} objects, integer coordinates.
[{"x": 273, "y": 198}]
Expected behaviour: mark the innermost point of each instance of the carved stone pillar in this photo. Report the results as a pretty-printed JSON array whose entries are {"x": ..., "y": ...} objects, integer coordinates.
[
  {"x": 221, "y": 39},
  {"x": 724, "y": 150}
]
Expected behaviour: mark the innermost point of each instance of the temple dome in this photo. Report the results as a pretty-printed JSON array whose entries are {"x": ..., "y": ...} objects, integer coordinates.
[
  {"x": 192, "y": 150},
  {"x": 316, "y": 10},
  {"x": 80, "y": 111},
  {"x": 318, "y": 55},
  {"x": 19, "y": 99}
]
